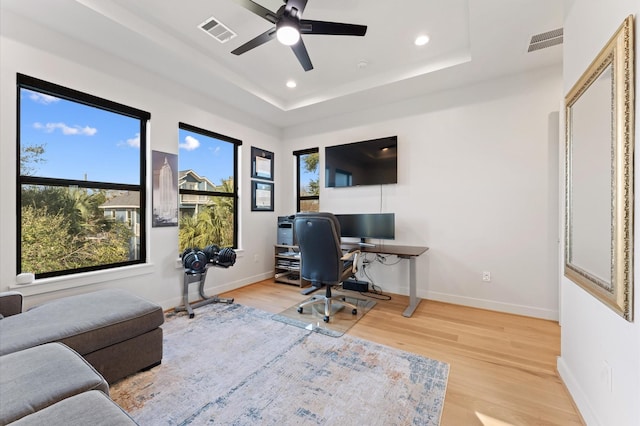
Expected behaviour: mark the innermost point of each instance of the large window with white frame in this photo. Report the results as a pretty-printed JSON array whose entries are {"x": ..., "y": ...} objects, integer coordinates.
[
  {"x": 81, "y": 181},
  {"x": 207, "y": 186}
]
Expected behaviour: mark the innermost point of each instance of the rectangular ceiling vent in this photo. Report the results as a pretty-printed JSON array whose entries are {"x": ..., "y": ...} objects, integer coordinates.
[
  {"x": 544, "y": 40},
  {"x": 217, "y": 30}
]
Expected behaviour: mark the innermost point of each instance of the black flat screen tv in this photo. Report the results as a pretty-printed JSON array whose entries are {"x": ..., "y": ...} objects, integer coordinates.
[{"x": 372, "y": 162}]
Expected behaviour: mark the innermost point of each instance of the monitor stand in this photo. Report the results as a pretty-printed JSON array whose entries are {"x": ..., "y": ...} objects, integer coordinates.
[{"x": 363, "y": 243}]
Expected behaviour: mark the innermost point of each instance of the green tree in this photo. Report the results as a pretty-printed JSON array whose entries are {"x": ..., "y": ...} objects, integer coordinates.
[
  {"x": 311, "y": 162},
  {"x": 213, "y": 224},
  {"x": 65, "y": 229},
  {"x": 30, "y": 157},
  {"x": 45, "y": 238}
]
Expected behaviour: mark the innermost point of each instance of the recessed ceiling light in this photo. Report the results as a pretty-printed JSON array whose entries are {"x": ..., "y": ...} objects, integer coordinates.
[
  {"x": 291, "y": 84},
  {"x": 421, "y": 40}
]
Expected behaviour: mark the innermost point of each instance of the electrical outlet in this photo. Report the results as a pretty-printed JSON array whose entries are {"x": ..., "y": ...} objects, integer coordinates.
[
  {"x": 486, "y": 276},
  {"x": 255, "y": 258}
]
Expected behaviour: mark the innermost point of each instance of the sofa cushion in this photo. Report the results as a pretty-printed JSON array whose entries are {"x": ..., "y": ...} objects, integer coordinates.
[
  {"x": 89, "y": 408},
  {"x": 35, "y": 378},
  {"x": 86, "y": 322}
]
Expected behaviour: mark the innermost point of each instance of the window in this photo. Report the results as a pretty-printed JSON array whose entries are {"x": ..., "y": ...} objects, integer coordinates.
[
  {"x": 80, "y": 181},
  {"x": 307, "y": 180},
  {"x": 207, "y": 177}
]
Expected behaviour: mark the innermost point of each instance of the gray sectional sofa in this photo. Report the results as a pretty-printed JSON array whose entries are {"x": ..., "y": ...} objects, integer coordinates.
[
  {"x": 51, "y": 384},
  {"x": 57, "y": 357}
]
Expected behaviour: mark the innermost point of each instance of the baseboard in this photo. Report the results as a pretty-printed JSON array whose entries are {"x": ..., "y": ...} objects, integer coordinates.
[
  {"x": 511, "y": 308},
  {"x": 213, "y": 290},
  {"x": 580, "y": 400}
]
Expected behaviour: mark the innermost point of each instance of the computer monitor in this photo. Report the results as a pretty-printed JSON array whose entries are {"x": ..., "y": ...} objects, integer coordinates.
[{"x": 367, "y": 225}]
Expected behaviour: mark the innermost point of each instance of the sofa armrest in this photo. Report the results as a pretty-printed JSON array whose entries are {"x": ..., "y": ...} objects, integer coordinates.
[{"x": 10, "y": 303}]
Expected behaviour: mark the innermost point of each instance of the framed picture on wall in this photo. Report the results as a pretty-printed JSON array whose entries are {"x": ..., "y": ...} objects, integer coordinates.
[
  {"x": 261, "y": 164},
  {"x": 261, "y": 196},
  {"x": 165, "y": 189}
]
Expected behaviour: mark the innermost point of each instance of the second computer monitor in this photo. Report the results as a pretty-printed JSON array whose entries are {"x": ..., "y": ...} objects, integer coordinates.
[{"x": 367, "y": 225}]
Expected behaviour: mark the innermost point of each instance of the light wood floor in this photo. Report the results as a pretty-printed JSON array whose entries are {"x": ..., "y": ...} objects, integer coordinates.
[{"x": 502, "y": 366}]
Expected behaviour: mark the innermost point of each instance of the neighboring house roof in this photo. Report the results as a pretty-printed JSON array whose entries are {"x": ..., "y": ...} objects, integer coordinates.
[
  {"x": 185, "y": 175},
  {"x": 129, "y": 200}
]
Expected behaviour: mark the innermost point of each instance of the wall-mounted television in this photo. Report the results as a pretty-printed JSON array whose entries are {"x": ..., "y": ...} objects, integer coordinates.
[{"x": 372, "y": 162}]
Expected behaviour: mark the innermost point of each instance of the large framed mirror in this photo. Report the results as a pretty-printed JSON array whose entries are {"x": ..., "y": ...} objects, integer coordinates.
[{"x": 599, "y": 175}]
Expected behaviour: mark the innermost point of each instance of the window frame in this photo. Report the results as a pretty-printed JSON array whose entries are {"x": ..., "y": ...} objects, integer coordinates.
[
  {"x": 41, "y": 86},
  {"x": 236, "y": 146},
  {"x": 300, "y": 198}
]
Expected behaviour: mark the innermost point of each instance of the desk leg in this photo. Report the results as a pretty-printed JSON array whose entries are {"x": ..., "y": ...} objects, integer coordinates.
[{"x": 414, "y": 301}]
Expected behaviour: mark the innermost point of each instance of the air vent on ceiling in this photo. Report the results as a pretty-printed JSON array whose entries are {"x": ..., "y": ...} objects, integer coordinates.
[
  {"x": 217, "y": 30},
  {"x": 544, "y": 40}
]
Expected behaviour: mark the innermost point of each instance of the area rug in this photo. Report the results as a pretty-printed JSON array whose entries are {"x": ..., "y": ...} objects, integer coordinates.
[
  {"x": 312, "y": 318},
  {"x": 234, "y": 365}
]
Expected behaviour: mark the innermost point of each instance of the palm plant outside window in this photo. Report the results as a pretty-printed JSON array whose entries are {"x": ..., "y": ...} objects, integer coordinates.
[{"x": 207, "y": 177}]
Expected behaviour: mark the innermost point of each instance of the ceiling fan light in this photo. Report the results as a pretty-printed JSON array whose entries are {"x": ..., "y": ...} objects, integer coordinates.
[
  {"x": 421, "y": 40},
  {"x": 287, "y": 34}
]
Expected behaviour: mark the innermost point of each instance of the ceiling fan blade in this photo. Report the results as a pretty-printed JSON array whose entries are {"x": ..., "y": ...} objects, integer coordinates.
[
  {"x": 263, "y": 12},
  {"x": 296, "y": 4},
  {"x": 331, "y": 28},
  {"x": 258, "y": 41},
  {"x": 303, "y": 56}
]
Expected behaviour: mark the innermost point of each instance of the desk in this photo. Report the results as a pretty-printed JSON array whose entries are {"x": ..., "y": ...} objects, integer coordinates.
[{"x": 403, "y": 252}]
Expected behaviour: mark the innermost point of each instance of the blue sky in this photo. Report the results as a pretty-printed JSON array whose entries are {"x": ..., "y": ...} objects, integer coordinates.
[
  {"x": 207, "y": 156},
  {"x": 82, "y": 142}
]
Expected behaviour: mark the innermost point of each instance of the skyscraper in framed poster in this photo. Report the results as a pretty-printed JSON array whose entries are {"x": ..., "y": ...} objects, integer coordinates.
[{"x": 165, "y": 188}]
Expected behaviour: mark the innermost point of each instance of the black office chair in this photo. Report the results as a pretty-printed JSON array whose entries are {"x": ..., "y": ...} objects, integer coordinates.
[{"x": 323, "y": 262}]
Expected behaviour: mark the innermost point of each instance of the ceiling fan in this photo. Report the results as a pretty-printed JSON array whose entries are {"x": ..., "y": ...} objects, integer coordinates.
[{"x": 289, "y": 25}]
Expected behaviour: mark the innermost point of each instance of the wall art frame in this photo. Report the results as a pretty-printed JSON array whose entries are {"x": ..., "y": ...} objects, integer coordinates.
[
  {"x": 599, "y": 176},
  {"x": 261, "y": 196},
  {"x": 261, "y": 164}
]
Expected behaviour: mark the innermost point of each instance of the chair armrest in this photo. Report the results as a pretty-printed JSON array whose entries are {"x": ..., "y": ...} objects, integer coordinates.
[
  {"x": 352, "y": 254},
  {"x": 10, "y": 303}
]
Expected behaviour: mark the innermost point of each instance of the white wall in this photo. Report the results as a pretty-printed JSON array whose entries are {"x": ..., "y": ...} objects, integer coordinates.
[
  {"x": 70, "y": 63},
  {"x": 594, "y": 338},
  {"x": 477, "y": 183}
]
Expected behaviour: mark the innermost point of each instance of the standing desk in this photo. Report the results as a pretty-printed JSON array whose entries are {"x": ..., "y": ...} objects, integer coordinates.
[{"x": 403, "y": 252}]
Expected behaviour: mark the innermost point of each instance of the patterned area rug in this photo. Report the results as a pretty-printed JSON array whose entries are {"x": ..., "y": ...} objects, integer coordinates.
[{"x": 233, "y": 364}]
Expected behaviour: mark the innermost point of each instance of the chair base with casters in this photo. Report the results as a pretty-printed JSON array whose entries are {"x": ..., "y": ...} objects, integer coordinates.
[
  {"x": 323, "y": 261},
  {"x": 328, "y": 300}
]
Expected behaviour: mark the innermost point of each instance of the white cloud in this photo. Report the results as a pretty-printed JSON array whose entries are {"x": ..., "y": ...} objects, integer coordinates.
[
  {"x": 41, "y": 98},
  {"x": 66, "y": 130},
  {"x": 134, "y": 141},
  {"x": 190, "y": 143}
]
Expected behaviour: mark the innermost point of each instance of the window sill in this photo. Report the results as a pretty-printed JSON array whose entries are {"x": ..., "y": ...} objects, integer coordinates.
[{"x": 53, "y": 284}]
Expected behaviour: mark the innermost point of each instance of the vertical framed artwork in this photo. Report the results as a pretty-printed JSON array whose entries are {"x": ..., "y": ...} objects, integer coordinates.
[
  {"x": 261, "y": 164},
  {"x": 261, "y": 196},
  {"x": 165, "y": 189}
]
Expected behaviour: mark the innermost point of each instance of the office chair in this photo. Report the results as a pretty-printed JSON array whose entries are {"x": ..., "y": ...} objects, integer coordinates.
[{"x": 322, "y": 259}]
